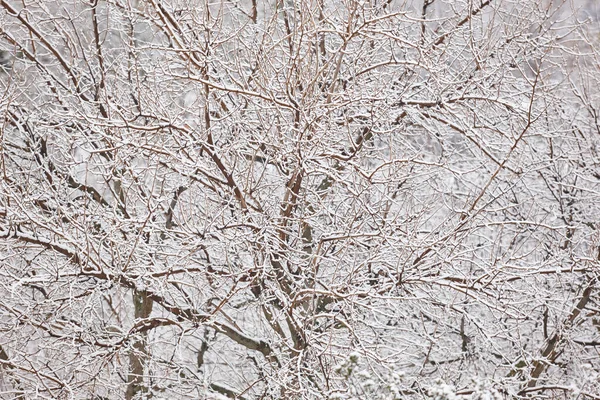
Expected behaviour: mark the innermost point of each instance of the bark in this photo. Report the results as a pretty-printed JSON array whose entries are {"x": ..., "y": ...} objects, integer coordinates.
[{"x": 138, "y": 357}]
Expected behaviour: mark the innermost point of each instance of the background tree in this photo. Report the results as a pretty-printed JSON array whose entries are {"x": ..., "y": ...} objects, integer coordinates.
[{"x": 311, "y": 199}]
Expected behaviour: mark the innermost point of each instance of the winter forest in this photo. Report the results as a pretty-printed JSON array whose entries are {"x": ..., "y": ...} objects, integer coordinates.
[{"x": 300, "y": 199}]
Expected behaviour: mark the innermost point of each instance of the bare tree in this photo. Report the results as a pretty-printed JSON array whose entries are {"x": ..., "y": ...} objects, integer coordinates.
[{"x": 310, "y": 199}]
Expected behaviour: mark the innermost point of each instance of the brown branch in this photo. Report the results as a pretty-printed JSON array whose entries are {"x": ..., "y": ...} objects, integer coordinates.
[
  {"x": 250, "y": 343},
  {"x": 43, "y": 39},
  {"x": 466, "y": 19},
  {"x": 552, "y": 348},
  {"x": 225, "y": 391}
]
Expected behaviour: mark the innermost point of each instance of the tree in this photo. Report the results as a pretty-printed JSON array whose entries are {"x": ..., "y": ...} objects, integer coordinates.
[{"x": 326, "y": 199}]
